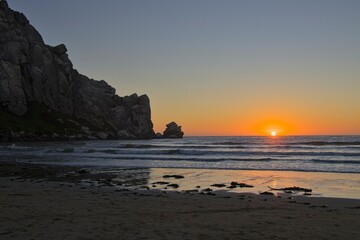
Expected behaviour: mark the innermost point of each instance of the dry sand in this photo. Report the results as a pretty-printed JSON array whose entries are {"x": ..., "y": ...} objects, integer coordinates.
[{"x": 34, "y": 206}]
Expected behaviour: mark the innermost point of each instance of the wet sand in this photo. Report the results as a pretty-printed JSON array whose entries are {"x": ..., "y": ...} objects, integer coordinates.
[
  {"x": 49, "y": 202},
  {"x": 338, "y": 185}
]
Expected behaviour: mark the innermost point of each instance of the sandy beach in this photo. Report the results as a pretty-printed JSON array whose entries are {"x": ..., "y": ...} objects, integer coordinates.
[{"x": 37, "y": 202}]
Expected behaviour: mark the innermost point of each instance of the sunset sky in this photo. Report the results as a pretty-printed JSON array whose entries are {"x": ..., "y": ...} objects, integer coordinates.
[{"x": 219, "y": 67}]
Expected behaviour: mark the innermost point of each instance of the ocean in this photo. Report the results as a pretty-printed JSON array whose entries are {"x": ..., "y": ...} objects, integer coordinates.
[{"x": 333, "y": 154}]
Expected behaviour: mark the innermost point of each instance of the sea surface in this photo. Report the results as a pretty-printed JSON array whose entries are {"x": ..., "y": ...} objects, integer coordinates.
[{"x": 333, "y": 154}]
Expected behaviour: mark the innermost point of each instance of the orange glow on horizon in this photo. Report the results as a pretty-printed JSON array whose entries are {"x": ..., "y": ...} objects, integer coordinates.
[
  {"x": 265, "y": 128},
  {"x": 260, "y": 123},
  {"x": 272, "y": 127}
]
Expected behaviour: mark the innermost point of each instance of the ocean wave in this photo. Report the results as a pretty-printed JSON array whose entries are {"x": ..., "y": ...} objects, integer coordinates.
[
  {"x": 254, "y": 152},
  {"x": 17, "y": 147},
  {"x": 139, "y": 146},
  {"x": 188, "y": 146},
  {"x": 218, "y": 159},
  {"x": 324, "y": 143},
  {"x": 309, "y": 147},
  {"x": 336, "y": 161},
  {"x": 196, "y": 152},
  {"x": 289, "y": 143},
  {"x": 338, "y": 154},
  {"x": 331, "y": 154},
  {"x": 285, "y": 144},
  {"x": 148, "y": 152},
  {"x": 227, "y": 143},
  {"x": 173, "y": 151},
  {"x": 177, "y": 158}
]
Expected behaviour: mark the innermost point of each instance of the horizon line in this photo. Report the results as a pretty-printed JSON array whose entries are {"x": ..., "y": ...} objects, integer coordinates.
[{"x": 298, "y": 135}]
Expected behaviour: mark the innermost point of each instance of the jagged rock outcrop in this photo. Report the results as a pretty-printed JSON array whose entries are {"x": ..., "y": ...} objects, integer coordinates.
[
  {"x": 173, "y": 131},
  {"x": 32, "y": 72}
]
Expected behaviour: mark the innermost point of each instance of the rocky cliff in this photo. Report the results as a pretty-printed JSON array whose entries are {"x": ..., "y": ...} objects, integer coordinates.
[{"x": 39, "y": 85}]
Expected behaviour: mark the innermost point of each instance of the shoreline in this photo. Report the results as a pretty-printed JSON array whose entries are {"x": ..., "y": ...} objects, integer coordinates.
[
  {"x": 145, "y": 179},
  {"x": 42, "y": 202},
  {"x": 321, "y": 184}
]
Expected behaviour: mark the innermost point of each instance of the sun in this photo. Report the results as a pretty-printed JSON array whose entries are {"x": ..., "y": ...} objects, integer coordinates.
[{"x": 273, "y": 133}]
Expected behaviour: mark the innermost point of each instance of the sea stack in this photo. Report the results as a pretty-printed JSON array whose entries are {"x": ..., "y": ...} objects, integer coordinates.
[
  {"x": 173, "y": 131},
  {"x": 42, "y": 97}
]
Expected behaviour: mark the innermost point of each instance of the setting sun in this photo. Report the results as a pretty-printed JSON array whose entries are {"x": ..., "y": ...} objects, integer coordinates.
[{"x": 273, "y": 133}]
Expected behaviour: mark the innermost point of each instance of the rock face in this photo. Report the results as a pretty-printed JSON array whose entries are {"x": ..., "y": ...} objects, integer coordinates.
[
  {"x": 173, "y": 131},
  {"x": 33, "y": 72}
]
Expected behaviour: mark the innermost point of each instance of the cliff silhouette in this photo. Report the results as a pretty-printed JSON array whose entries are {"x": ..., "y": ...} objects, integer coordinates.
[{"x": 43, "y": 97}]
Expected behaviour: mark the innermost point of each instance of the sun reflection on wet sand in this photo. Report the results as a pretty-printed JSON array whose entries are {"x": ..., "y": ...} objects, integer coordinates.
[{"x": 323, "y": 184}]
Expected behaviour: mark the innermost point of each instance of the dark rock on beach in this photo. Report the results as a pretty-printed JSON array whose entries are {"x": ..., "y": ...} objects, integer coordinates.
[
  {"x": 42, "y": 97},
  {"x": 173, "y": 185},
  {"x": 241, "y": 185},
  {"x": 161, "y": 183},
  {"x": 294, "y": 188},
  {"x": 219, "y": 185},
  {"x": 266, "y": 193},
  {"x": 173, "y": 176},
  {"x": 207, "y": 190}
]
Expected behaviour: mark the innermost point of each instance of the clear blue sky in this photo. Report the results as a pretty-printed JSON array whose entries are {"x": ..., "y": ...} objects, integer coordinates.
[{"x": 219, "y": 67}]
